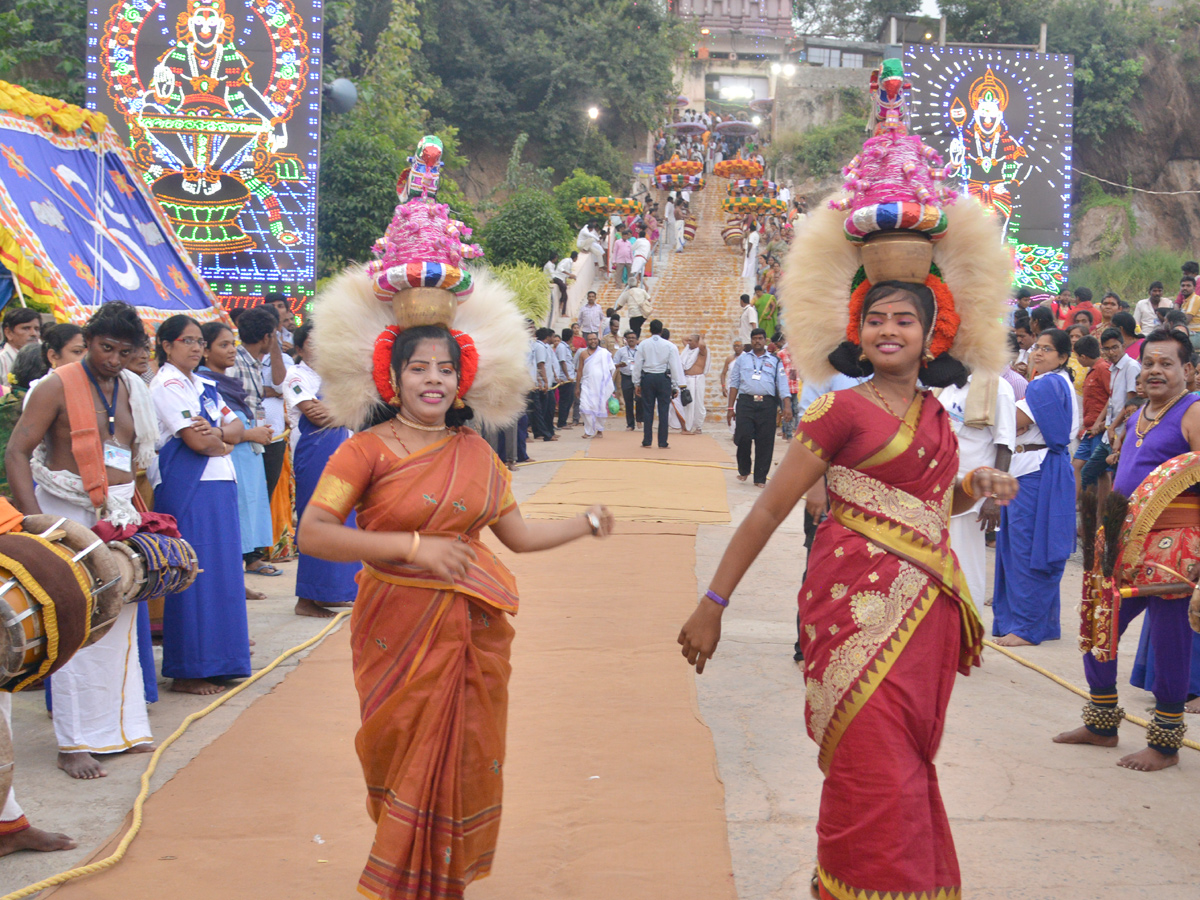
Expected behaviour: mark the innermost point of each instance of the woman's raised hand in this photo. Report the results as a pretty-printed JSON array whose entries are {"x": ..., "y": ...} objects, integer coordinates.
[{"x": 447, "y": 558}]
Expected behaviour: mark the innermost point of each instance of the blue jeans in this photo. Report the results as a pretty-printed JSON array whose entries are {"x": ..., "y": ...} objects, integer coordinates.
[{"x": 1096, "y": 465}]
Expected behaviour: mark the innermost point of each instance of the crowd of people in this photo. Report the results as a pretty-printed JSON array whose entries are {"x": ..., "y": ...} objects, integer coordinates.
[{"x": 199, "y": 421}]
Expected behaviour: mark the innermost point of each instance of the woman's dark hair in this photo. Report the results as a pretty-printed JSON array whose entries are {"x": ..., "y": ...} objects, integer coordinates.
[
  {"x": 1061, "y": 341},
  {"x": 1043, "y": 317},
  {"x": 56, "y": 337},
  {"x": 170, "y": 330},
  {"x": 939, "y": 372},
  {"x": 301, "y": 335},
  {"x": 29, "y": 365},
  {"x": 1161, "y": 336},
  {"x": 402, "y": 351},
  {"x": 116, "y": 320},
  {"x": 211, "y": 332}
]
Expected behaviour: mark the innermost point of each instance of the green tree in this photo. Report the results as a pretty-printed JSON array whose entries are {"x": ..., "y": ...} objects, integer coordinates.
[
  {"x": 42, "y": 46},
  {"x": 851, "y": 19},
  {"x": 527, "y": 229},
  {"x": 1106, "y": 38},
  {"x": 580, "y": 184},
  {"x": 543, "y": 64}
]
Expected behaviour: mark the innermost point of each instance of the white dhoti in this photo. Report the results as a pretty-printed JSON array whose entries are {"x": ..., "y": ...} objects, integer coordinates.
[
  {"x": 690, "y": 418},
  {"x": 99, "y": 698},
  {"x": 967, "y": 541},
  {"x": 12, "y": 817},
  {"x": 595, "y": 387},
  {"x": 639, "y": 267}
]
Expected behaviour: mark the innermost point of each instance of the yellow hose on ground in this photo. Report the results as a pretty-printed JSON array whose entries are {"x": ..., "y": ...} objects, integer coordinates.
[
  {"x": 657, "y": 462},
  {"x": 1060, "y": 681},
  {"x": 109, "y": 861}
]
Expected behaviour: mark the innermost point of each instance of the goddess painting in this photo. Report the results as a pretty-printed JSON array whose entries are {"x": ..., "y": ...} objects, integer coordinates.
[{"x": 984, "y": 154}]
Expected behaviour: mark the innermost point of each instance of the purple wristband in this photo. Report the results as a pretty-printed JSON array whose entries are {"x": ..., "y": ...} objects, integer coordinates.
[{"x": 716, "y": 598}]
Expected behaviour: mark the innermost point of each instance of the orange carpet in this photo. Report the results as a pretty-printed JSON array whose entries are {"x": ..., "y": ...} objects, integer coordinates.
[{"x": 611, "y": 787}]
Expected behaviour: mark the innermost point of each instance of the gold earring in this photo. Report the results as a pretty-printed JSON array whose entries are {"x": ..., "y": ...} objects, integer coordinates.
[
  {"x": 862, "y": 356},
  {"x": 928, "y": 355}
]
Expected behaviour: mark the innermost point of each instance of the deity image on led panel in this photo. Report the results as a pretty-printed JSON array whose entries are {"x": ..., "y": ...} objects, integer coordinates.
[
  {"x": 220, "y": 102},
  {"x": 1002, "y": 121}
]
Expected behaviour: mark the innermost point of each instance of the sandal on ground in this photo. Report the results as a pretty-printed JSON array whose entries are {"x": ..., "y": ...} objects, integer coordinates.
[{"x": 265, "y": 569}]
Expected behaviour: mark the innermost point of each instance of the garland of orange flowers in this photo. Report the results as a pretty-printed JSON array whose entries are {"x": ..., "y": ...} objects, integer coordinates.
[{"x": 945, "y": 326}]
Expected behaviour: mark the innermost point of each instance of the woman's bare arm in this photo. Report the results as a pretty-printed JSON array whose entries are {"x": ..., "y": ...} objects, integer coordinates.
[
  {"x": 799, "y": 471},
  {"x": 522, "y": 536}
]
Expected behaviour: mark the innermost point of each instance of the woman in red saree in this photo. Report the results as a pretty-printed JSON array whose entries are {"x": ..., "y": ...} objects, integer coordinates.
[
  {"x": 430, "y": 631},
  {"x": 886, "y": 618}
]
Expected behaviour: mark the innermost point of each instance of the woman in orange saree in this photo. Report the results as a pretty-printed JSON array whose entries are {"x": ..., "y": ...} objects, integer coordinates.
[
  {"x": 886, "y": 618},
  {"x": 430, "y": 631}
]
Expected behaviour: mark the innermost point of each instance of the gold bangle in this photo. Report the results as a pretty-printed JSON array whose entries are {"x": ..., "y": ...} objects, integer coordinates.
[
  {"x": 412, "y": 551},
  {"x": 968, "y": 483}
]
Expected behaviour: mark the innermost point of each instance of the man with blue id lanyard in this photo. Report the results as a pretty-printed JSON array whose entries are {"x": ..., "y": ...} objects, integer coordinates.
[
  {"x": 756, "y": 382},
  {"x": 81, "y": 438}
]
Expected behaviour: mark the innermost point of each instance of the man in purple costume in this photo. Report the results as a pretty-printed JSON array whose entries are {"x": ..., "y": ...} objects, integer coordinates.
[{"x": 1167, "y": 426}]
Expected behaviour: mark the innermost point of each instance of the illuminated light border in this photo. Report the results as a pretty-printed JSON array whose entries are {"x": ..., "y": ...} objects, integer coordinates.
[
  {"x": 1053, "y": 127},
  {"x": 293, "y": 89}
]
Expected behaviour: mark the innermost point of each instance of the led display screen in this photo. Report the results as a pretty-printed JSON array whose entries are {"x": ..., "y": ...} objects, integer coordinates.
[
  {"x": 220, "y": 102},
  {"x": 1002, "y": 121}
]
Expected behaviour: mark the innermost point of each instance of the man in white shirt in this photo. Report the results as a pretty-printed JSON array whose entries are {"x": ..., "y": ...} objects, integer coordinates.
[
  {"x": 636, "y": 299},
  {"x": 657, "y": 375},
  {"x": 1122, "y": 382},
  {"x": 564, "y": 374},
  {"x": 987, "y": 435},
  {"x": 1145, "y": 311},
  {"x": 591, "y": 316},
  {"x": 641, "y": 254},
  {"x": 669, "y": 220},
  {"x": 748, "y": 321},
  {"x": 588, "y": 241},
  {"x": 564, "y": 274},
  {"x": 283, "y": 310},
  {"x": 623, "y": 361}
]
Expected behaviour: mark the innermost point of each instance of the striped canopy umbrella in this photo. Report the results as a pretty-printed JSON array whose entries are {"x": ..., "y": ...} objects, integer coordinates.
[
  {"x": 680, "y": 182},
  {"x": 753, "y": 205},
  {"x": 752, "y": 187},
  {"x": 602, "y": 206}
]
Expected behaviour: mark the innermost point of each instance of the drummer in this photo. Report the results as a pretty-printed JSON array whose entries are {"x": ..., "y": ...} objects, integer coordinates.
[
  {"x": 1166, "y": 427},
  {"x": 99, "y": 695}
]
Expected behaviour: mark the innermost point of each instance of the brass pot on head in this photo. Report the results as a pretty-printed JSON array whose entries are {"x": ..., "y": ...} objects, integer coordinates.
[
  {"x": 424, "y": 306},
  {"x": 897, "y": 256}
]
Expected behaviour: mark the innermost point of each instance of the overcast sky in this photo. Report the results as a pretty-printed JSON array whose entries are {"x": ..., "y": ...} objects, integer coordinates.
[{"x": 929, "y": 8}]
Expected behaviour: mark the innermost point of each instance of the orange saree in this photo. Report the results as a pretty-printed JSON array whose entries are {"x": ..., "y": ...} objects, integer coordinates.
[
  {"x": 430, "y": 663},
  {"x": 886, "y": 621}
]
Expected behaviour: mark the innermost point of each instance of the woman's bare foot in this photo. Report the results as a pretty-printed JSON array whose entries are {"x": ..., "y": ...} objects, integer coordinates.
[
  {"x": 306, "y": 607},
  {"x": 1192, "y": 706},
  {"x": 1081, "y": 735},
  {"x": 196, "y": 686},
  {"x": 1148, "y": 760},
  {"x": 1012, "y": 640},
  {"x": 35, "y": 839},
  {"x": 81, "y": 765},
  {"x": 255, "y": 595}
]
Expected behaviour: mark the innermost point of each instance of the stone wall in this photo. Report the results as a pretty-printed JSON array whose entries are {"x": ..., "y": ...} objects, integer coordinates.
[{"x": 814, "y": 96}]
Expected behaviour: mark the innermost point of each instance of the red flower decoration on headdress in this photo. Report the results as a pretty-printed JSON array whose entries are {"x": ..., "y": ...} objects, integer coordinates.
[
  {"x": 381, "y": 362},
  {"x": 944, "y": 329}
]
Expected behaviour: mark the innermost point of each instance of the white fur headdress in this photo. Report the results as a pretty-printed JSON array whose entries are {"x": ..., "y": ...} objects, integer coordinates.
[
  {"x": 819, "y": 272},
  {"x": 348, "y": 316}
]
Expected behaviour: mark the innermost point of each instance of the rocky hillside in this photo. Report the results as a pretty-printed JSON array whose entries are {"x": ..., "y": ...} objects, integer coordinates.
[{"x": 1163, "y": 156}]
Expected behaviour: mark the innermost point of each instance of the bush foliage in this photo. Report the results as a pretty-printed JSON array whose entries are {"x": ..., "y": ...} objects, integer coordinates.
[
  {"x": 568, "y": 193},
  {"x": 526, "y": 229}
]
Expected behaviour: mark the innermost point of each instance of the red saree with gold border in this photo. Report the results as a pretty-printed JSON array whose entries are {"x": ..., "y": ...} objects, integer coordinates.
[
  {"x": 886, "y": 622},
  {"x": 430, "y": 663}
]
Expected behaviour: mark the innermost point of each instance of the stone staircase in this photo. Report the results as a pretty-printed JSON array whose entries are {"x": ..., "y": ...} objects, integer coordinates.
[{"x": 698, "y": 289}]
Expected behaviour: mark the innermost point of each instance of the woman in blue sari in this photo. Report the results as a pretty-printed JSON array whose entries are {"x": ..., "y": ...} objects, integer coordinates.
[
  {"x": 206, "y": 639},
  {"x": 254, "y": 504},
  {"x": 1037, "y": 530},
  {"x": 319, "y": 583}
]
